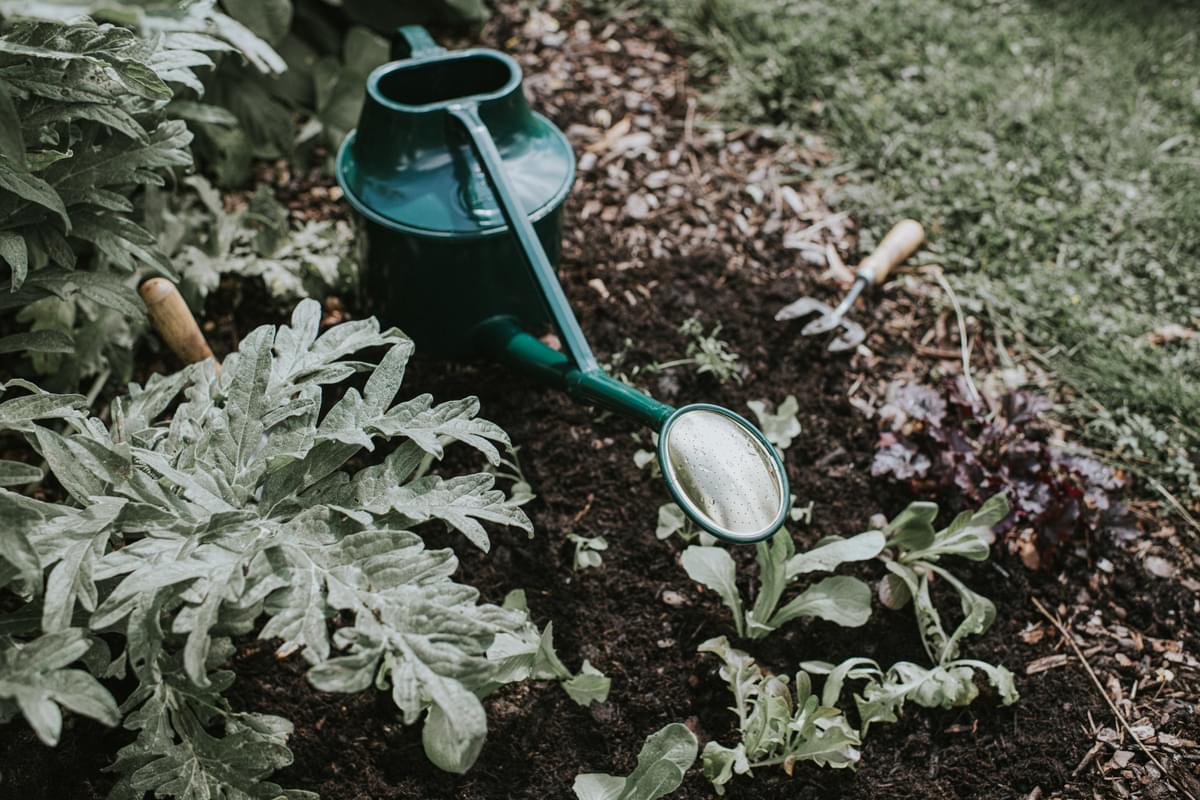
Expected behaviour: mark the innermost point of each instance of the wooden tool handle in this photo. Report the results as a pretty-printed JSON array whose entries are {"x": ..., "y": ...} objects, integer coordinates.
[
  {"x": 900, "y": 243},
  {"x": 174, "y": 321}
]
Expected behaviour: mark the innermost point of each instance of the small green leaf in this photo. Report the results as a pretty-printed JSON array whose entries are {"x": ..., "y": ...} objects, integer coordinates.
[
  {"x": 714, "y": 568},
  {"x": 13, "y": 252},
  {"x": 665, "y": 757},
  {"x": 780, "y": 427},
  {"x": 831, "y": 553},
  {"x": 670, "y": 519},
  {"x": 912, "y": 529},
  {"x": 598, "y": 786},
  {"x": 455, "y": 729},
  {"x": 589, "y": 686},
  {"x": 45, "y": 341},
  {"x": 840, "y": 599},
  {"x": 30, "y": 187}
]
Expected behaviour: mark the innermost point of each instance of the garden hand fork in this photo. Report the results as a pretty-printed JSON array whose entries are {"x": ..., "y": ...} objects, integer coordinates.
[{"x": 901, "y": 242}]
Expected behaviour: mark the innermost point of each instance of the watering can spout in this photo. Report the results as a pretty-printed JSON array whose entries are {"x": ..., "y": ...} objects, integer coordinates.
[{"x": 503, "y": 339}]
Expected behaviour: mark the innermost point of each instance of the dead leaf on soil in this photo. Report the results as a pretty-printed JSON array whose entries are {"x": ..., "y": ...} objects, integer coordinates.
[{"x": 1046, "y": 663}]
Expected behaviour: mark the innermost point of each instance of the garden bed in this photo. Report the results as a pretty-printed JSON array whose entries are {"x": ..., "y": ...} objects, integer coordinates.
[{"x": 634, "y": 269}]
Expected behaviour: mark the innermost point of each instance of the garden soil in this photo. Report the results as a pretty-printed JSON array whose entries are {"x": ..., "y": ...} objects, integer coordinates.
[{"x": 634, "y": 270}]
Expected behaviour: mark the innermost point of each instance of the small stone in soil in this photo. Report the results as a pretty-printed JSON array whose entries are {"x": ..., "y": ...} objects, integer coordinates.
[{"x": 673, "y": 599}]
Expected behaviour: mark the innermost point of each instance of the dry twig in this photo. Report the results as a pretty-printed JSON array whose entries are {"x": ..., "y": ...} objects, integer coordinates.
[
  {"x": 963, "y": 343},
  {"x": 1070, "y": 639}
]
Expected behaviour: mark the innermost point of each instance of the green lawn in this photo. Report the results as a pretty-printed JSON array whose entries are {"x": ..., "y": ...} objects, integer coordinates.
[{"x": 1053, "y": 150}]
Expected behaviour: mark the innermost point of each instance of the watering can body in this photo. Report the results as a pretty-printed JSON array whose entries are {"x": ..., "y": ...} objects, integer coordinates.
[
  {"x": 440, "y": 258},
  {"x": 462, "y": 187}
]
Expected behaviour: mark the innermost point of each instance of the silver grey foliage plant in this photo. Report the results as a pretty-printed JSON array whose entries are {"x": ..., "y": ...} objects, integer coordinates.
[{"x": 234, "y": 512}]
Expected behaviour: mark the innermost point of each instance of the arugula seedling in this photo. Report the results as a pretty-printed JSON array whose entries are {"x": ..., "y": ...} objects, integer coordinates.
[
  {"x": 587, "y": 550},
  {"x": 707, "y": 353},
  {"x": 780, "y": 723},
  {"x": 780, "y": 427},
  {"x": 841, "y": 599},
  {"x": 665, "y": 758},
  {"x": 948, "y": 685},
  {"x": 913, "y": 551}
]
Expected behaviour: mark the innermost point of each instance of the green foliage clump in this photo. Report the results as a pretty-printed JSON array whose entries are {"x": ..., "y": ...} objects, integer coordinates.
[
  {"x": 83, "y": 122},
  {"x": 782, "y": 722}
]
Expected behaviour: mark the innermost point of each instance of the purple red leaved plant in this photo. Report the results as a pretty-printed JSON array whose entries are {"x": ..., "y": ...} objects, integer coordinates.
[{"x": 964, "y": 450}]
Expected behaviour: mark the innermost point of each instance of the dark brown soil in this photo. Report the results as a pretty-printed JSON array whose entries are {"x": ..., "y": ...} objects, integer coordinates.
[{"x": 581, "y": 467}]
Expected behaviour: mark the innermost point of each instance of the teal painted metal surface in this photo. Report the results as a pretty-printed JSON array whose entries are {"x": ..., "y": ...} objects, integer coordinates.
[
  {"x": 407, "y": 168},
  {"x": 503, "y": 340},
  {"x": 441, "y": 258}
]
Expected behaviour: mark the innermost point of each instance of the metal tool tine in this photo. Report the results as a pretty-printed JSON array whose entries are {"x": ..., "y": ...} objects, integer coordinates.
[
  {"x": 802, "y": 308},
  {"x": 851, "y": 336}
]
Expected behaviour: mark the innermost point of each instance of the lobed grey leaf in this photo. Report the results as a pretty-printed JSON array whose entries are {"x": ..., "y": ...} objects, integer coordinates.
[
  {"x": 37, "y": 342},
  {"x": 458, "y": 501},
  {"x": 35, "y": 677},
  {"x": 33, "y": 189},
  {"x": 425, "y": 424},
  {"x": 18, "y": 413}
]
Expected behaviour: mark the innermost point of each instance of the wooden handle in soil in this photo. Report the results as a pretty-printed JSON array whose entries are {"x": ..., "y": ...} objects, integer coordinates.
[
  {"x": 174, "y": 321},
  {"x": 901, "y": 242}
]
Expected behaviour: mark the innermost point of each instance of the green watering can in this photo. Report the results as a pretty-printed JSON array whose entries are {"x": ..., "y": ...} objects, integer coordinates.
[{"x": 462, "y": 187}]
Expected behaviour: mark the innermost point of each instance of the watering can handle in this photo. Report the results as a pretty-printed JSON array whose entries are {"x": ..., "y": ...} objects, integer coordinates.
[
  {"x": 413, "y": 41},
  {"x": 467, "y": 114}
]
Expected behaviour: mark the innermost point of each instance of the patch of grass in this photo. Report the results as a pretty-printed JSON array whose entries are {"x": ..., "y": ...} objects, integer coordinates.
[{"x": 1053, "y": 149}]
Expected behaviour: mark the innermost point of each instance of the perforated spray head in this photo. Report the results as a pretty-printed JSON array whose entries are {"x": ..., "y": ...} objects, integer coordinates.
[{"x": 723, "y": 473}]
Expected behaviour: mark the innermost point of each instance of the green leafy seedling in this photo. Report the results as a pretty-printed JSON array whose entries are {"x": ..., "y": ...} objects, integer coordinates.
[
  {"x": 780, "y": 723},
  {"x": 706, "y": 352},
  {"x": 913, "y": 552},
  {"x": 672, "y": 521},
  {"x": 780, "y": 427},
  {"x": 587, "y": 550},
  {"x": 665, "y": 758},
  {"x": 841, "y": 599},
  {"x": 882, "y": 698}
]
